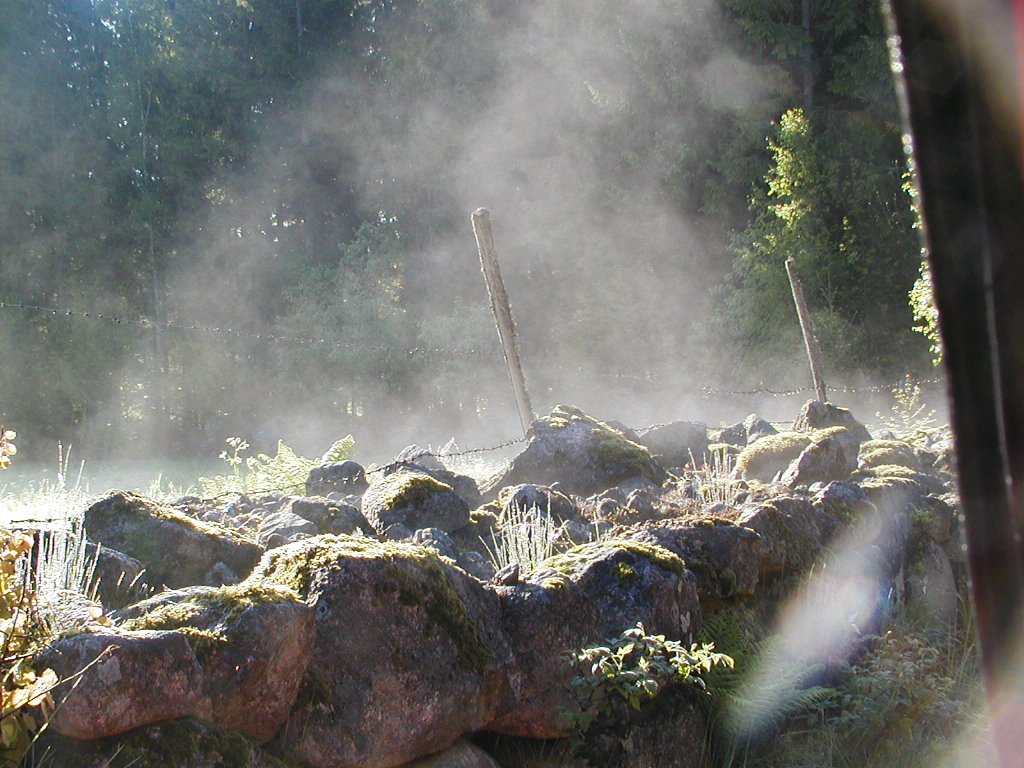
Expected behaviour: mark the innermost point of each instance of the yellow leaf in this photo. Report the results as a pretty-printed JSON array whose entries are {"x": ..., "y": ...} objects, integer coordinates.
[
  {"x": 41, "y": 688},
  {"x": 19, "y": 698}
]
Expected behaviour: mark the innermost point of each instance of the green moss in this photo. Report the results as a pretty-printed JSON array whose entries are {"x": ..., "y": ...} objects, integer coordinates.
[
  {"x": 821, "y": 434},
  {"x": 129, "y": 504},
  {"x": 771, "y": 454},
  {"x": 184, "y": 742},
  {"x": 416, "y": 574},
  {"x": 613, "y": 449},
  {"x": 204, "y": 618},
  {"x": 408, "y": 489},
  {"x": 878, "y": 453},
  {"x": 624, "y": 574},
  {"x": 570, "y": 562},
  {"x": 894, "y": 470}
]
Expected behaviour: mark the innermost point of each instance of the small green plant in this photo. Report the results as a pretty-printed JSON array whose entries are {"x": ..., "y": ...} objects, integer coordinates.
[
  {"x": 259, "y": 474},
  {"x": 63, "y": 572},
  {"x": 527, "y": 536},
  {"x": 911, "y": 419},
  {"x": 713, "y": 481},
  {"x": 633, "y": 668}
]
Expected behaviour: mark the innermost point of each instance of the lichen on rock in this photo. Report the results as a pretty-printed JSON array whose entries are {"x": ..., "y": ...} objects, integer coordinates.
[{"x": 584, "y": 455}]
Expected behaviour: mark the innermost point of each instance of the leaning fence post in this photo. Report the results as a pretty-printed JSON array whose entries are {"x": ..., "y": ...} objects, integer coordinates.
[
  {"x": 806, "y": 328},
  {"x": 502, "y": 313}
]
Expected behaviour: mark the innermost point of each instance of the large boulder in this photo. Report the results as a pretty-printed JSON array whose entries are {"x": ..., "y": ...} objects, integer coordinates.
[
  {"x": 793, "y": 530},
  {"x": 725, "y": 558},
  {"x": 410, "y": 652},
  {"x": 115, "y": 682},
  {"x": 414, "y": 500},
  {"x": 677, "y": 444},
  {"x": 818, "y": 415},
  {"x": 345, "y": 477},
  {"x": 464, "y": 485},
  {"x": 231, "y": 656},
  {"x": 831, "y": 456},
  {"x": 182, "y": 743},
  {"x": 253, "y": 644},
  {"x": 770, "y": 456},
  {"x": 176, "y": 550},
  {"x": 583, "y": 454},
  {"x": 576, "y": 599}
]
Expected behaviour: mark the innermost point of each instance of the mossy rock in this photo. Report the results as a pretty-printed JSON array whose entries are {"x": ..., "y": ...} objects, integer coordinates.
[
  {"x": 831, "y": 456},
  {"x": 409, "y": 652},
  {"x": 876, "y": 453},
  {"x": 928, "y": 483},
  {"x": 792, "y": 530},
  {"x": 183, "y": 743},
  {"x": 577, "y": 599},
  {"x": 415, "y": 500},
  {"x": 724, "y": 557},
  {"x": 253, "y": 641},
  {"x": 817, "y": 415},
  {"x": 770, "y": 455},
  {"x": 204, "y": 614},
  {"x": 575, "y": 561},
  {"x": 584, "y": 455},
  {"x": 176, "y": 550}
]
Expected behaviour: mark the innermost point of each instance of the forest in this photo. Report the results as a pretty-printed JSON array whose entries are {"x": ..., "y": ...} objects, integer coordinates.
[{"x": 252, "y": 218}]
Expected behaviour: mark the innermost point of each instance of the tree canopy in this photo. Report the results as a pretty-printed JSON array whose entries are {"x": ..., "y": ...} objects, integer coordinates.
[{"x": 297, "y": 179}]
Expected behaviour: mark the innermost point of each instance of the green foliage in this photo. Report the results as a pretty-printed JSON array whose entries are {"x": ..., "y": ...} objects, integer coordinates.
[
  {"x": 631, "y": 669},
  {"x": 260, "y": 474},
  {"x": 831, "y": 196},
  {"x": 922, "y": 304}
]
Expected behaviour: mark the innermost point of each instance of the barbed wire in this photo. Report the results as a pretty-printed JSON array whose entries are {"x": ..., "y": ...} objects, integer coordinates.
[
  {"x": 800, "y": 390},
  {"x": 170, "y": 325}
]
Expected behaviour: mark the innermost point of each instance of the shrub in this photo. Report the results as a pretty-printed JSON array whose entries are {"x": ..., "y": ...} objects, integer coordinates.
[
  {"x": 633, "y": 668},
  {"x": 25, "y": 692}
]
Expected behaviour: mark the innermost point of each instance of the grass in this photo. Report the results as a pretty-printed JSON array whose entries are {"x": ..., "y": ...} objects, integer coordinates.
[{"x": 527, "y": 536}]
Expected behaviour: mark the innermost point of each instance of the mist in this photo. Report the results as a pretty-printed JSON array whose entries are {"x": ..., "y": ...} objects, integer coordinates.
[{"x": 318, "y": 276}]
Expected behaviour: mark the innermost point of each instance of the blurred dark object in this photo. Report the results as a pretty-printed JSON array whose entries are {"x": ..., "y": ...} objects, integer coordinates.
[{"x": 957, "y": 65}]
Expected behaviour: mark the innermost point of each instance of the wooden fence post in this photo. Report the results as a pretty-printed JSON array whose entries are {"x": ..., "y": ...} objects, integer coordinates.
[
  {"x": 502, "y": 313},
  {"x": 806, "y": 328}
]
